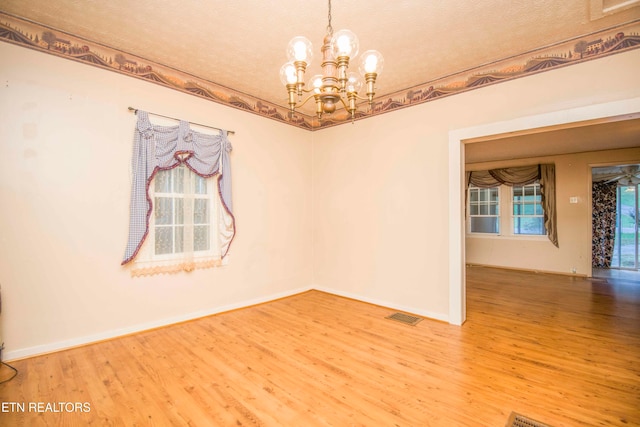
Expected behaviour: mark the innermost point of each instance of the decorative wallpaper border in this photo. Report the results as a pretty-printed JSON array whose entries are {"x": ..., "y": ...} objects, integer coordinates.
[{"x": 591, "y": 46}]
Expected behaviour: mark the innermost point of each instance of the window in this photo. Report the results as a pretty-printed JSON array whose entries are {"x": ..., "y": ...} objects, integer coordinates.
[
  {"x": 484, "y": 210},
  {"x": 182, "y": 209},
  {"x": 185, "y": 225},
  {"x": 528, "y": 216},
  {"x": 524, "y": 202},
  {"x": 179, "y": 221}
]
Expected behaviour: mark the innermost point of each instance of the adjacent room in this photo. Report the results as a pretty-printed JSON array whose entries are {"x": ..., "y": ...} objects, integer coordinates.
[{"x": 434, "y": 223}]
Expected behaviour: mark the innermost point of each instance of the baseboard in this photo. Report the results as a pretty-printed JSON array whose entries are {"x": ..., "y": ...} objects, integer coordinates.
[
  {"x": 115, "y": 333},
  {"x": 528, "y": 270},
  {"x": 411, "y": 310}
]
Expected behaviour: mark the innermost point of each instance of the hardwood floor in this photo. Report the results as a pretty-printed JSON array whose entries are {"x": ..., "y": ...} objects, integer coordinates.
[{"x": 564, "y": 351}]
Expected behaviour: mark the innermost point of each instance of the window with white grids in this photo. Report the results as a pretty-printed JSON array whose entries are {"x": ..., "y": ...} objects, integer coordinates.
[
  {"x": 182, "y": 215},
  {"x": 484, "y": 210},
  {"x": 528, "y": 215},
  {"x": 524, "y": 202}
]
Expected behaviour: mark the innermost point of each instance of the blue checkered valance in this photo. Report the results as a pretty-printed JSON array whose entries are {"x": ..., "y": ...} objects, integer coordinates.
[{"x": 157, "y": 148}]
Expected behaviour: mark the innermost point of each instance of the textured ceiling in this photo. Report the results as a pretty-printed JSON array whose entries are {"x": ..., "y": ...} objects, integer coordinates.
[{"x": 241, "y": 44}]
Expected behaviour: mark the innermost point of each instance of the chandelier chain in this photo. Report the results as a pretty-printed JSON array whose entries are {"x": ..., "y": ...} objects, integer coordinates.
[{"x": 329, "y": 27}]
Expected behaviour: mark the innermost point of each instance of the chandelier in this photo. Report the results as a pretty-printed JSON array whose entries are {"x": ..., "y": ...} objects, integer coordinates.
[{"x": 336, "y": 83}]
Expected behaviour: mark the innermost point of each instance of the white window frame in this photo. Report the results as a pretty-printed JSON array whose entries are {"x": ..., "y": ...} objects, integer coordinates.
[
  {"x": 148, "y": 259},
  {"x": 189, "y": 178},
  {"x": 486, "y": 203},
  {"x": 506, "y": 221},
  {"x": 536, "y": 191}
]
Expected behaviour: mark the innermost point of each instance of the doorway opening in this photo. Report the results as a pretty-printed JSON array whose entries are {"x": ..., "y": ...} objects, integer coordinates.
[
  {"x": 459, "y": 138},
  {"x": 616, "y": 221}
]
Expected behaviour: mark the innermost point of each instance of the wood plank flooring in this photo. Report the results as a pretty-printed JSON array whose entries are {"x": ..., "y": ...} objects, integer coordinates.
[{"x": 564, "y": 351}]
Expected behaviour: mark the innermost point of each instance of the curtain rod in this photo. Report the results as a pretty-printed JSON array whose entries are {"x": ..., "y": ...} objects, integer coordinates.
[{"x": 135, "y": 111}]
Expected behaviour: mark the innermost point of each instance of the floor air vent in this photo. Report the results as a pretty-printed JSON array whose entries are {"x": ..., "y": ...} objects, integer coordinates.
[
  {"x": 517, "y": 420},
  {"x": 405, "y": 318}
]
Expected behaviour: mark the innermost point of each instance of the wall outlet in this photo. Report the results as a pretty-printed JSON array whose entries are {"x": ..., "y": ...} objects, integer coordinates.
[{"x": 573, "y": 270}]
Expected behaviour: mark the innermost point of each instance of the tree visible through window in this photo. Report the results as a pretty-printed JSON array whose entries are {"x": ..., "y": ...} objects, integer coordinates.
[
  {"x": 526, "y": 199},
  {"x": 528, "y": 215},
  {"x": 524, "y": 202}
]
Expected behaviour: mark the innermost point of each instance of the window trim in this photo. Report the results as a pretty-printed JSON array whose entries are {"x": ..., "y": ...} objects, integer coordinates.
[
  {"x": 147, "y": 262},
  {"x": 488, "y": 203},
  {"x": 537, "y": 192},
  {"x": 213, "y": 215},
  {"x": 505, "y": 205}
]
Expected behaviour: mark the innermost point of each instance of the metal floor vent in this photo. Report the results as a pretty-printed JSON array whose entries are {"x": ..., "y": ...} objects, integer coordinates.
[
  {"x": 517, "y": 420},
  {"x": 404, "y": 318}
]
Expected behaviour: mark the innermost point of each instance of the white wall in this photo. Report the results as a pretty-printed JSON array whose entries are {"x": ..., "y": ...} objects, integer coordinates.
[
  {"x": 362, "y": 210},
  {"x": 387, "y": 191},
  {"x": 66, "y": 142}
]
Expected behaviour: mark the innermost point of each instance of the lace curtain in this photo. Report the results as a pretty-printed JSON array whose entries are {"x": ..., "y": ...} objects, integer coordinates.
[
  {"x": 603, "y": 218},
  {"x": 544, "y": 173},
  {"x": 160, "y": 148}
]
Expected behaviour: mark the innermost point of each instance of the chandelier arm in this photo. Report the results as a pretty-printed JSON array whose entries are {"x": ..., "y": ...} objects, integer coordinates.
[
  {"x": 344, "y": 103},
  {"x": 309, "y": 90},
  {"x": 364, "y": 98},
  {"x": 305, "y": 101}
]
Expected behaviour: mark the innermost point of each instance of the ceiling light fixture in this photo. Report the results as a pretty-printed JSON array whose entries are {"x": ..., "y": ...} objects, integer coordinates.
[{"x": 335, "y": 83}]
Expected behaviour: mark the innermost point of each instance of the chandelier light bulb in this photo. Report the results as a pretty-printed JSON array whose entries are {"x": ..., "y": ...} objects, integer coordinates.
[
  {"x": 371, "y": 62},
  {"x": 300, "y": 49},
  {"x": 354, "y": 82},
  {"x": 316, "y": 83},
  {"x": 288, "y": 74},
  {"x": 345, "y": 43}
]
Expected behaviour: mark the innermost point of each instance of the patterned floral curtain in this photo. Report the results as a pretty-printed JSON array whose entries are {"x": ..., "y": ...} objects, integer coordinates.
[{"x": 604, "y": 223}]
